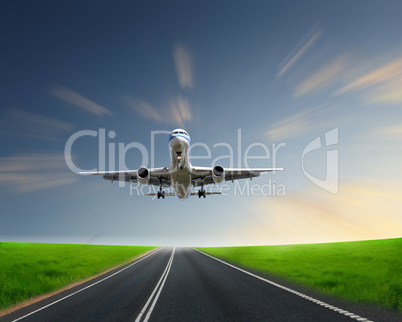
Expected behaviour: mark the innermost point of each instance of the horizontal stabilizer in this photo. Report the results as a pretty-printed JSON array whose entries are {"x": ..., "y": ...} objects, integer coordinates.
[
  {"x": 171, "y": 194},
  {"x": 207, "y": 193},
  {"x": 166, "y": 194}
]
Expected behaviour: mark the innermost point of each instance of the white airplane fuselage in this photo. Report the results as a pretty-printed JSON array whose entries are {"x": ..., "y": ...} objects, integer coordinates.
[{"x": 180, "y": 166}]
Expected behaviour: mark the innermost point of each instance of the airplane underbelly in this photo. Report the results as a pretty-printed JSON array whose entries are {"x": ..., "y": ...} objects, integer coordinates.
[{"x": 181, "y": 182}]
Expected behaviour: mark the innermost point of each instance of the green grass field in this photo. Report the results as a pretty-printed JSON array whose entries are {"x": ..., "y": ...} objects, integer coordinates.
[
  {"x": 367, "y": 272},
  {"x": 27, "y": 270}
]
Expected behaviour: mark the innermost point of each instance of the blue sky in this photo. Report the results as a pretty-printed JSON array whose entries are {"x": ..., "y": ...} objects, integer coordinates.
[{"x": 281, "y": 72}]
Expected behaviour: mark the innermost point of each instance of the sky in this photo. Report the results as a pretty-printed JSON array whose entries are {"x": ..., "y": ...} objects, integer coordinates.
[{"x": 311, "y": 86}]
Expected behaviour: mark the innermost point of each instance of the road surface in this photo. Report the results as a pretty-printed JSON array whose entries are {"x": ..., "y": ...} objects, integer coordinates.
[{"x": 180, "y": 284}]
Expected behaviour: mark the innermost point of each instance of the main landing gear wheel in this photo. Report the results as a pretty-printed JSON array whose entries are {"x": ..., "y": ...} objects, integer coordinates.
[
  {"x": 161, "y": 193},
  {"x": 202, "y": 192}
]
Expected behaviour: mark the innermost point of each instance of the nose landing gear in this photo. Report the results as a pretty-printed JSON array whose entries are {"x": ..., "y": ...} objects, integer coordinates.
[
  {"x": 179, "y": 167},
  {"x": 179, "y": 159}
]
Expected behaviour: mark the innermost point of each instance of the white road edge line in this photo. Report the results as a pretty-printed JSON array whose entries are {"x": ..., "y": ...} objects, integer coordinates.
[
  {"x": 63, "y": 298},
  {"x": 163, "y": 280},
  {"x": 311, "y": 299}
]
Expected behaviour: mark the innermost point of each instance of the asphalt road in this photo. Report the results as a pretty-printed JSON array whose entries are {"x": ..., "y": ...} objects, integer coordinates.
[{"x": 180, "y": 284}]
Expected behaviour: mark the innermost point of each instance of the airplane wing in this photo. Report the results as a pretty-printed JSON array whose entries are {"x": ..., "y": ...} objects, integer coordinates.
[
  {"x": 157, "y": 176},
  {"x": 203, "y": 175},
  {"x": 200, "y": 175}
]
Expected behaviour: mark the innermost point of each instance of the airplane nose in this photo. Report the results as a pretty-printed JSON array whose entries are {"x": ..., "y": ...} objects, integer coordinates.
[{"x": 177, "y": 142}]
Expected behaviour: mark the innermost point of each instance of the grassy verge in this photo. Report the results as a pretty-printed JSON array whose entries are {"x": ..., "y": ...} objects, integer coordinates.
[
  {"x": 27, "y": 270},
  {"x": 366, "y": 272}
]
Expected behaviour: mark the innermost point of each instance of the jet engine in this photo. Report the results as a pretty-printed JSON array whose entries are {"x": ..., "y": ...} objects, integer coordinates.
[
  {"x": 143, "y": 175},
  {"x": 218, "y": 174}
]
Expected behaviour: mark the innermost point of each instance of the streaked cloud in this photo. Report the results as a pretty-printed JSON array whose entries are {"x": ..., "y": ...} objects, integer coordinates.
[
  {"x": 180, "y": 109},
  {"x": 184, "y": 66},
  {"x": 323, "y": 78},
  {"x": 21, "y": 123},
  {"x": 392, "y": 132},
  {"x": 292, "y": 126},
  {"x": 73, "y": 98},
  {"x": 360, "y": 211},
  {"x": 144, "y": 109},
  {"x": 177, "y": 111},
  {"x": 390, "y": 93},
  {"x": 384, "y": 74},
  {"x": 305, "y": 43},
  {"x": 35, "y": 171}
]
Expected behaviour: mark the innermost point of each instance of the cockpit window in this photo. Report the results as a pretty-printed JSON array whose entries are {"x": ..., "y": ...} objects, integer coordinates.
[{"x": 180, "y": 132}]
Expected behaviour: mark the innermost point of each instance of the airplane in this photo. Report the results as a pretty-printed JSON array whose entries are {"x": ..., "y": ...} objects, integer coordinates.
[{"x": 181, "y": 174}]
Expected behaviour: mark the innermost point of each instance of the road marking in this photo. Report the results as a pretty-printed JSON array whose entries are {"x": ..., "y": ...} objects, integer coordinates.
[
  {"x": 161, "y": 282},
  {"x": 63, "y": 298},
  {"x": 309, "y": 298}
]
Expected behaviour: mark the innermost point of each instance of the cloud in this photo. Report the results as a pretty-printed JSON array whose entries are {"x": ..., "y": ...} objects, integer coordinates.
[
  {"x": 384, "y": 74},
  {"x": 364, "y": 210},
  {"x": 180, "y": 109},
  {"x": 184, "y": 68},
  {"x": 305, "y": 43},
  {"x": 177, "y": 112},
  {"x": 389, "y": 93},
  {"x": 392, "y": 132},
  {"x": 323, "y": 78},
  {"x": 292, "y": 126},
  {"x": 35, "y": 171},
  {"x": 69, "y": 96},
  {"x": 144, "y": 109},
  {"x": 26, "y": 124}
]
